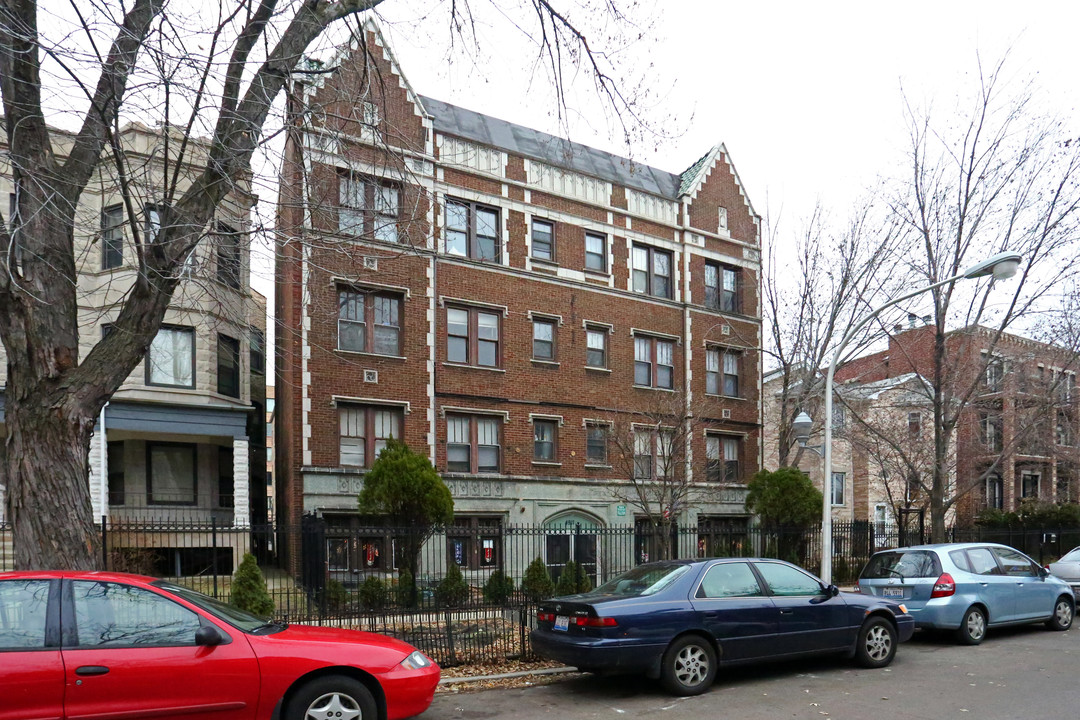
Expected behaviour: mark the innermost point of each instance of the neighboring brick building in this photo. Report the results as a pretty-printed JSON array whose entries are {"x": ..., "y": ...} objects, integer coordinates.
[
  {"x": 492, "y": 294},
  {"x": 1016, "y": 437}
]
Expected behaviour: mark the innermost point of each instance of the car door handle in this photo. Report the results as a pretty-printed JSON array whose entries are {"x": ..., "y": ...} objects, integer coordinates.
[
  {"x": 86, "y": 670},
  {"x": 984, "y": 584},
  {"x": 712, "y": 615},
  {"x": 787, "y": 612}
]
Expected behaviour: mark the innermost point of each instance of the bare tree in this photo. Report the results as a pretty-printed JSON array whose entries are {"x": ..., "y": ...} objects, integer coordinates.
[
  {"x": 838, "y": 274},
  {"x": 188, "y": 70},
  {"x": 664, "y": 467},
  {"x": 987, "y": 176}
]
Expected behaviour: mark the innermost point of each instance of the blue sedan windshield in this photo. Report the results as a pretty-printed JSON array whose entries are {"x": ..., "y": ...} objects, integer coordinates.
[{"x": 644, "y": 580}]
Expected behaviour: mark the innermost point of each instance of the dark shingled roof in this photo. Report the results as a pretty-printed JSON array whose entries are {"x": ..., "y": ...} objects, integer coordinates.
[{"x": 520, "y": 140}]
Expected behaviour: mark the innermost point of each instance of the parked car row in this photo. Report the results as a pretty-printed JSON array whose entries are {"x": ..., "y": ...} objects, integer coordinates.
[{"x": 679, "y": 621}]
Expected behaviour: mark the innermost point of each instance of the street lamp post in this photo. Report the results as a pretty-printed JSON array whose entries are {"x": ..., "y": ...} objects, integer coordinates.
[{"x": 1001, "y": 266}]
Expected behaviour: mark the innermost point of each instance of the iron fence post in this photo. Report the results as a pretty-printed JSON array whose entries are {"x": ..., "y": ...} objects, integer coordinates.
[{"x": 213, "y": 543}]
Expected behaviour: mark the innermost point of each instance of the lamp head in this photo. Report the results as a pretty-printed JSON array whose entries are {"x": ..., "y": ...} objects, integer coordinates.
[
  {"x": 801, "y": 428},
  {"x": 1002, "y": 266}
]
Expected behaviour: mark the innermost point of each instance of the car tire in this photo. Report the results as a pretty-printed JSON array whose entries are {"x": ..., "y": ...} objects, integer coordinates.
[
  {"x": 1062, "y": 619},
  {"x": 333, "y": 696},
  {"x": 688, "y": 666},
  {"x": 972, "y": 628},
  {"x": 876, "y": 644}
]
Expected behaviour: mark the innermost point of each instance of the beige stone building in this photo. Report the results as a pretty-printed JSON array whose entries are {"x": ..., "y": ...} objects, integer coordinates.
[{"x": 176, "y": 441}]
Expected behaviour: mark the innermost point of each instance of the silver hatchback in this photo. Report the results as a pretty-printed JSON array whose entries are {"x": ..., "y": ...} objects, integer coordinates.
[{"x": 968, "y": 587}]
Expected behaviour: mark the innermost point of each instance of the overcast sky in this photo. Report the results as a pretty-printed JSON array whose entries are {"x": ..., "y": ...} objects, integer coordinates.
[{"x": 806, "y": 96}]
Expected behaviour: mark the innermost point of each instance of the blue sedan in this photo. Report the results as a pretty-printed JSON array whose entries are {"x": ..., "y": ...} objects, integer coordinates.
[{"x": 680, "y": 620}]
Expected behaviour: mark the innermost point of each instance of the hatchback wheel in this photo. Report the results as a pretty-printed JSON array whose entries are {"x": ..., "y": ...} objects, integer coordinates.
[
  {"x": 1062, "y": 618},
  {"x": 332, "y": 698},
  {"x": 972, "y": 629},
  {"x": 877, "y": 643},
  {"x": 689, "y": 666}
]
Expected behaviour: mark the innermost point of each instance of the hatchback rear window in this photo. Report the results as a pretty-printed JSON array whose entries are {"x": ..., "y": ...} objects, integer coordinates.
[{"x": 902, "y": 564}]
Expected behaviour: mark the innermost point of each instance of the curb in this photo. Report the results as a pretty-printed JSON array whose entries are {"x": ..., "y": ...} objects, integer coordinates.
[{"x": 504, "y": 676}]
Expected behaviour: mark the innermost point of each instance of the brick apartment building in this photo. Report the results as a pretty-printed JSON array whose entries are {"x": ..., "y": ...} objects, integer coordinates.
[
  {"x": 181, "y": 440},
  {"x": 1016, "y": 437},
  {"x": 496, "y": 296}
]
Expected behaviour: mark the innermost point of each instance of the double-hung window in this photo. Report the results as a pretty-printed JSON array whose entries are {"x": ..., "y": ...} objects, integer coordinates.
[
  {"x": 543, "y": 240},
  {"x": 990, "y": 428},
  {"x": 369, "y": 322},
  {"x": 595, "y": 252},
  {"x": 654, "y": 363},
  {"x": 472, "y": 336},
  {"x": 722, "y": 458},
  {"x": 722, "y": 372},
  {"x": 364, "y": 431},
  {"x": 112, "y": 237},
  {"x": 257, "y": 351},
  {"x": 652, "y": 271},
  {"x": 368, "y": 207},
  {"x": 596, "y": 443},
  {"x": 228, "y": 365},
  {"x": 171, "y": 473},
  {"x": 653, "y": 456},
  {"x": 837, "y": 489},
  {"x": 995, "y": 373},
  {"x": 914, "y": 424},
  {"x": 151, "y": 223},
  {"x": 543, "y": 339},
  {"x": 596, "y": 347},
  {"x": 545, "y": 440},
  {"x": 472, "y": 443},
  {"x": 472, "y": 230},
  {"x": 170, "y": 360},
  {"x": 722, "y": 287},
  {"x": 227, "y": 249}
]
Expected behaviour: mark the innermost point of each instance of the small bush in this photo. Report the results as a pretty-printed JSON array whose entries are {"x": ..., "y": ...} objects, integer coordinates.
[
  {"x": 405, "y": 592},
  {"x": 334, "y": 596},
  {"x": 249, "y": 589},
  {"x": 537, "y": 583},
  {"x": 452, "y": 590},
  {"x": 373, "y": 593},
  {"x": 573, "y": 580},
  {"x": 498, "y": 588}
]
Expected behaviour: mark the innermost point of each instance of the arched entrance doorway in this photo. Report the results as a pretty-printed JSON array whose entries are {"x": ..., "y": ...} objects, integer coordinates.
[{"x": 571, "y": 535}]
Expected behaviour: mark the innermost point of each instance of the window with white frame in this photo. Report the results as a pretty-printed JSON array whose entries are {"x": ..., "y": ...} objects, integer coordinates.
[
  {"x": 368, "y": 207},
  {"x": 994, "y": 492},
  {"x": 836, "y": 490},
  {"x": 472, "y": 336},
  {"x": 990, "y": 429},
  {"x": 364, "y": 432},
  {"x": 653, "y": 453},
  {"x": 1063, "y": 429},
  {"x": 170, "y": 361},
  {"x": 545, "y": 440},
  {"x": 595, "y": 252},
  {"x": 543, "y": 240},
  {"x": 652, "y": 271},
  {"x": 654, "y": 363},
  {"x": 596, "y": 347},
  {"x": 472, "y": 443},
  {"x": 472, "y": 230},
  {"x": 112, "y": 237},
  {"x": 994, "y": 375},
  {"x": 543, "y": 339}
]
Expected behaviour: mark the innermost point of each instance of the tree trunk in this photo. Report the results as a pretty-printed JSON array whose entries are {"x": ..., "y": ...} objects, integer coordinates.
[{"x": 46, "y": 467}]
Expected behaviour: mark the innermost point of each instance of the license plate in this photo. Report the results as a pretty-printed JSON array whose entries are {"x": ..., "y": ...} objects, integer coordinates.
[
  {"x": 892, "y": 592},
  {"x": 562, "y": 622}
]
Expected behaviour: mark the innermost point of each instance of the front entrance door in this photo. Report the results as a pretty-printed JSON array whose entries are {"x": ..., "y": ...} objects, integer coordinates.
[{"x": 572, "y": 537}]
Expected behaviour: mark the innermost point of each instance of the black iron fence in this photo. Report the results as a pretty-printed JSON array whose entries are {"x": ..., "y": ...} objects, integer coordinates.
[{"x": 467, "y": 594}]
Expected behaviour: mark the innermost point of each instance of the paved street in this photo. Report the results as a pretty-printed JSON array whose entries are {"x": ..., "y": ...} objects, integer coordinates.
[{"x": 1017, "y": 673}]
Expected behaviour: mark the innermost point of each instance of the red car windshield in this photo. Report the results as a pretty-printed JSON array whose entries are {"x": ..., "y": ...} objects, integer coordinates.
[{"x": 240, "y": 619}]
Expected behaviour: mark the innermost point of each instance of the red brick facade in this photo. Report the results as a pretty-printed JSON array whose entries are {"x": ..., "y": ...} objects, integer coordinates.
[{"x": 317, "y": 378}]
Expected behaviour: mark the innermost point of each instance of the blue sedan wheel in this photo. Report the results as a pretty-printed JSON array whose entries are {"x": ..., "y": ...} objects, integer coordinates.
[
  {"x": 689, "y": 666},
  {"x": 1062, "y": 618},
  {"x": 877, "y": 643}
]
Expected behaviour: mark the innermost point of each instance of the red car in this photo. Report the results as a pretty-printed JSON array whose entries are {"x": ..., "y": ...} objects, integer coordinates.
[{"x": 109, "y": 645}]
